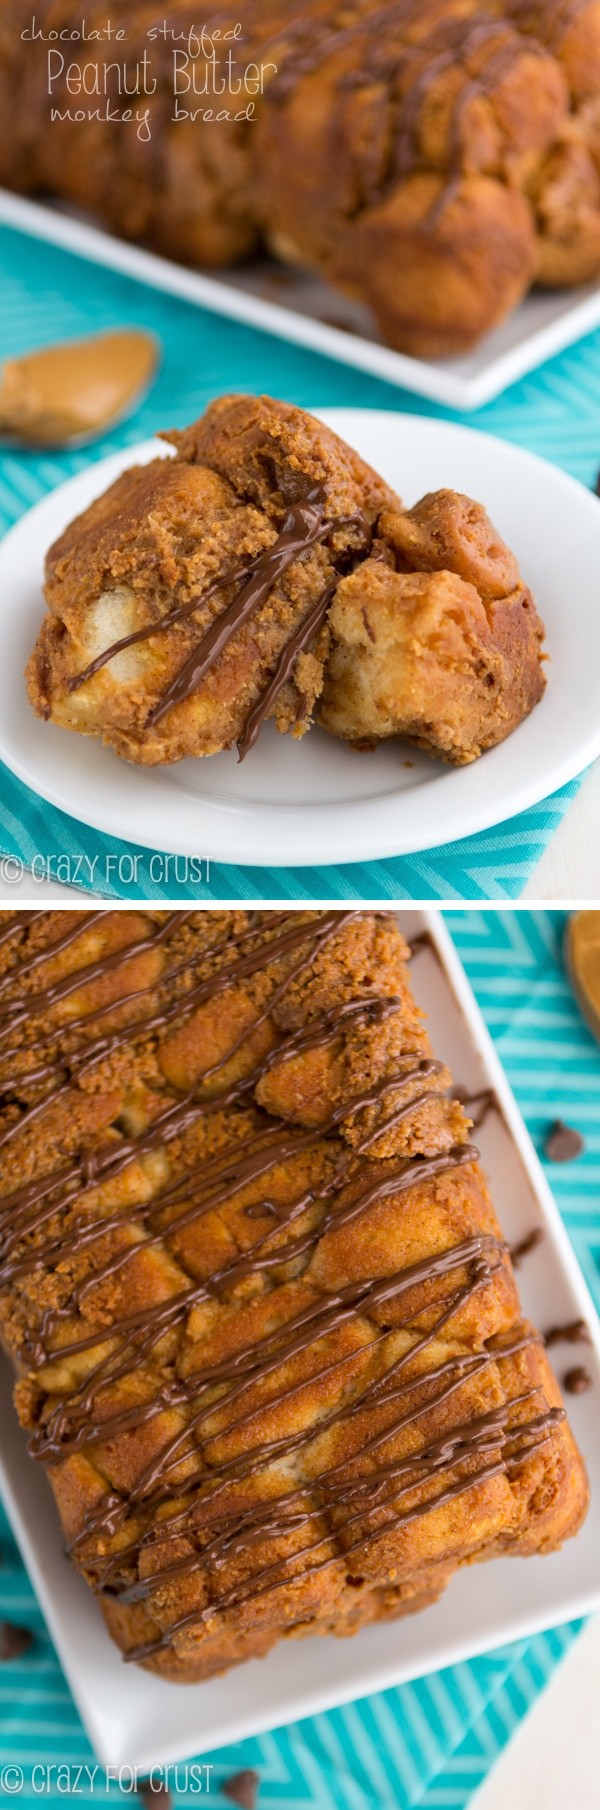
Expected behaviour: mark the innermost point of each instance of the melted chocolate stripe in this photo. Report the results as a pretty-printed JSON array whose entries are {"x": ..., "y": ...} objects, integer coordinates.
[
  {"x": 409, "y": 69},
  {"x": 423, "y": 1065},
  {"x": 296, "y": 645},
  {"x": 280, "y": 1149},
  {"x": 19, "y": 922},
  {"x": 560, "y": 15},
  {"x": 182, "y": 1115},
  {"x": 239, "y": 575},
  {"x": 137, "y": 1027},
  {"x": 159, "y": 627},
  {"x": 238, "y": 1166},
  {"x": 302, "y": 528},
  {"x": 459, "y": 1369},
  {"x": 361, "y": 1298},
  {"x": 264, "y": 922},
  {"x": 376, "y": 1394},
  {"x": 482, "y": 1252},
  {"x": 308, "y": 53},
  {"x": 80, "y": 1061},
  {"x": 84, "y": 1059},
  {"x": 105, "y": 964},
  {"x": 85, "y": 921},
  {"x": 236, "y": 1597},
  {"x": 237, "y": 1538},
  {"x": 406, "y": 1177}
]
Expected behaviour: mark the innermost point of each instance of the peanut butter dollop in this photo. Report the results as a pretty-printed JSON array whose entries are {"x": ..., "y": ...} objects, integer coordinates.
[
  {"x": 583, "y": 962},
  {"x": 68, "y": 392}
]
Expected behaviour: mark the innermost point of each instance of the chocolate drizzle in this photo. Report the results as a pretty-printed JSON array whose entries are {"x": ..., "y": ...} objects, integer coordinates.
[
  {"x": 49, "y": 1224},
  {"x": 406, "y": 67},
  {"x": 284, "y": 669},
  {"x": 551, "y": 20},
  {"x": 484, "y": 1102},
  {"x": 303, "y": 527}
]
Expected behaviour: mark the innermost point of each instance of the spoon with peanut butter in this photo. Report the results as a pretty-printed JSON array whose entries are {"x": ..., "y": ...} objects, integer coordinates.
[
  {"x": 582, "y": 954},
  {"x": 66, "y": 395}
]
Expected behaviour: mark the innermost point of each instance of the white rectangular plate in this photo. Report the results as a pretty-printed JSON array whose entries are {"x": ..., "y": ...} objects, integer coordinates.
[
  {"x": 133, "y": 1718},
  {"x": 295, "y": 305}
]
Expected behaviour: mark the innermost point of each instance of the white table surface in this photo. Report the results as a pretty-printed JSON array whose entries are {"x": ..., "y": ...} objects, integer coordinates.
[
  {"x": 552, "y": 1761},
  {"x": 569, "y": 870},
  {"x": 570, "y": 867}
]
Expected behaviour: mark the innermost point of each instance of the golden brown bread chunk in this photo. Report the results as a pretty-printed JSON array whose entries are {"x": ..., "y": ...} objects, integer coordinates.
[
  {"x": 266, "y": 1327},
  {"x": 435, "y": 638},
  {"x": 433, "y": 158},
  {"x": 461, "y": 146},
  {"x": 263, "y": 503},
  {"x": 423, "y": 215},
  {"x": 200, "y": 596}
]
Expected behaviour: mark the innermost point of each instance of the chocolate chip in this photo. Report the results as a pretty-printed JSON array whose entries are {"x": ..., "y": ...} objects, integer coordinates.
[
  {"x": 575, "y": 1332},
  {"x": 14, "y": 1641},
  {"x": 157, "y": 1793},
  {"x": 242, "y": 1788},
  {"x": 577, "y": 1381},
  {"x": 526, "y": 1245},
  {"x": 563, "y": 1143}
]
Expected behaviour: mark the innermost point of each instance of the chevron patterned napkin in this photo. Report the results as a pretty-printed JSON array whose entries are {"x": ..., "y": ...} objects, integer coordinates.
[
  {"x": 48, "y": 294},
  {"x": 427, "y": 1745}
]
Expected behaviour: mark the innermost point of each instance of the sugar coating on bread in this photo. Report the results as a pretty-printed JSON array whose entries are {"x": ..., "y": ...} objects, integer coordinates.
[{"x": 267, "y": 1334}]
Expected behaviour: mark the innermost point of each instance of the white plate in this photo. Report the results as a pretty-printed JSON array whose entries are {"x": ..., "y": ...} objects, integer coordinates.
[
  {"x": 316, "y": 801},
  {"x": 298, "y": 306},
  {"x": 133, "y": 1718}
]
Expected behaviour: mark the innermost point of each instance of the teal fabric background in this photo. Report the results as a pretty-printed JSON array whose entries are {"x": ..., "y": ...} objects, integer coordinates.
[
  {"x": 427, "y": 1745},
  {"x": 45, "y": 294}
]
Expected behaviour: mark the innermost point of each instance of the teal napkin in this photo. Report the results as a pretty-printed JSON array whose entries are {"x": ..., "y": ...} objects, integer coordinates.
[
  {"x": 47, "y": 293},
  {"x": 35, "y": 835},
  {"x": 427, "y": 1745}
]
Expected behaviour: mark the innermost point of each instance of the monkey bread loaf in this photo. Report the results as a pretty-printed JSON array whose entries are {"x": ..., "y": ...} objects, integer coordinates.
[
  {"x": 432, "y": 158},
  {"x": 264, "y": 1321}
]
